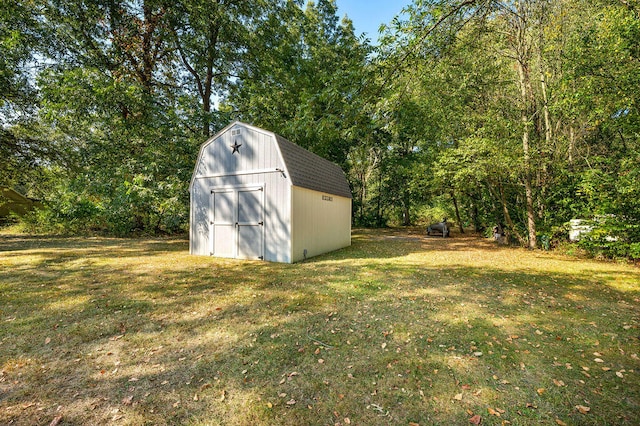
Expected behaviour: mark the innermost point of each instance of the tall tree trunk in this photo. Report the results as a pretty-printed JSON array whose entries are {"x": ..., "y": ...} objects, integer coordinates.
[
  {"x": 572, "y": 143},
  {"x": 204, "y": 83},
  {"x": 214, "y": 30},
  {"x": 523, "y": 56},
  {"x": 511, "y": 228},
  {"x": 406, "y": 219},
  {"x": 531, "y": 218},
  {"x": 455, "y": 205},
  {"x": 548, "y": 135}
]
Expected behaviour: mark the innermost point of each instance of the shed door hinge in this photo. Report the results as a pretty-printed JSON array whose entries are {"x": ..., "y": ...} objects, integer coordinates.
[{"x": 261, "y": 223}]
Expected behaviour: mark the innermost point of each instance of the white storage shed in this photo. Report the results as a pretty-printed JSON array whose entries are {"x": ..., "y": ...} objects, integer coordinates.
[{"x": 255, "y": 195}]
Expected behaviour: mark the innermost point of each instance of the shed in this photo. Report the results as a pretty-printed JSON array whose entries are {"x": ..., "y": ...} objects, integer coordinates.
[{"x": 255, "y": 195}]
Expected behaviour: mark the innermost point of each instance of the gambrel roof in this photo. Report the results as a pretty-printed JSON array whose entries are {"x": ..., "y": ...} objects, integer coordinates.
[
  {"x": 308, "y": 170},
  {"x": 304, "y": 168}
]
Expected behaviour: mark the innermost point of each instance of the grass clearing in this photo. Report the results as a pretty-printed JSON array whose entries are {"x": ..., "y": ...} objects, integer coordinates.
[{"x": 396, "y": 329}]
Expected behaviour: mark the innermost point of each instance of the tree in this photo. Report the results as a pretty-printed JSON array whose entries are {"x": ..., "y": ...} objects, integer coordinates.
[
  {"x": 21, "y": 151},
  {"x": 212, "y": 39},
  {"x": 304, "y": 78}
]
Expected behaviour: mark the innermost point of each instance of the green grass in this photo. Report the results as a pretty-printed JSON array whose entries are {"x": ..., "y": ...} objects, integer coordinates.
[{"x": 397, "y": 329}]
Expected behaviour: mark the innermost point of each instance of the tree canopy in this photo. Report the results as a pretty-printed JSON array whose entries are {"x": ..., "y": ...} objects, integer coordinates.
[{"x": 522, "y": 113}]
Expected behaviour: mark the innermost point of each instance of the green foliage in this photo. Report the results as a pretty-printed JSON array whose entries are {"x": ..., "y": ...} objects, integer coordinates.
[
  {"x": 613, "y": 237},
  {"x": 304, "y": 79},
  {"x": 523, "y": 113}
]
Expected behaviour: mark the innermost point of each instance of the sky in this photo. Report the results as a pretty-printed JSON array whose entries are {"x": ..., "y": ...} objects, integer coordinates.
[{"x": 367, "y": 15}]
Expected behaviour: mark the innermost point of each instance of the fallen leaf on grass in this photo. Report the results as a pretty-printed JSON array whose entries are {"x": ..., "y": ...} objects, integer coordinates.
[
  {"x": 321, "y": 361},
  {"x": 196, "y": 397},
  {"x": 47, "y": 340},
  {"x": 223, "y": 396},
  {"x": 560, "y": 422},
  {"x": 582, "y": 409},
  {"x": 291, "y": 402},
  {"x": 619, "y": 374},
  {"x": 558, "y": 383},
  {"x": 600, "y": 360},
  {"x": 414, "y": 424},
  {"x": 127, "y": 400},
  {"x": 541, "y": 391},
  {"x": 493, "y": 412},
  {"x": 56, "y": 421},
  {"x": 458, "y": 397},
  {"x": 347, "y": 421},
  {"x": 475, "y": 420}
]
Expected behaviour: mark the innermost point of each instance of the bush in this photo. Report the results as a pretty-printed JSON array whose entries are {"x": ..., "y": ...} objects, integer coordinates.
[
  {"x": 140, "y": 206},
  {"x": 613, "y": 237}
]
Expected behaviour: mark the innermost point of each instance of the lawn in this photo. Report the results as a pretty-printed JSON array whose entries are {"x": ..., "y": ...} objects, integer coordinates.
[{"x": 398, "y": 329}]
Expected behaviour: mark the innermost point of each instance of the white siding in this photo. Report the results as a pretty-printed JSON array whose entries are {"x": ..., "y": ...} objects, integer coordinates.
[
  {"x": 199, "y": 222},
  {"x": 321, "y": 222},
  {"x": 254, "y": 164},
  {"x": 295, "y": 218}
]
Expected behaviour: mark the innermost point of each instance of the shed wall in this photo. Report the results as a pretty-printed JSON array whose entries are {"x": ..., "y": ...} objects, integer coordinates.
[
  {"x": 321, "y": 222},
  {"x": 254, "y": 164}
]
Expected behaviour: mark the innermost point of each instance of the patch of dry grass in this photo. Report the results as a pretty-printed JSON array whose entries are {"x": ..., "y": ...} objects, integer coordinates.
[{"x": 397, "y": 329}]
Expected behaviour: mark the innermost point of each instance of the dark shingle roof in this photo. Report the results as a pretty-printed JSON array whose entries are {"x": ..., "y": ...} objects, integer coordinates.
[{"x": 311, "y": 171}]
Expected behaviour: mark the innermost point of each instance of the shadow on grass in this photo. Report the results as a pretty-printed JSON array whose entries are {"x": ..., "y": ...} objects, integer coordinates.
[{"x": 387, "y": 331}]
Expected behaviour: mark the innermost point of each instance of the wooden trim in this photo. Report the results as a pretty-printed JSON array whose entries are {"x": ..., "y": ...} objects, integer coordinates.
[{"x": 241, "y": 173}]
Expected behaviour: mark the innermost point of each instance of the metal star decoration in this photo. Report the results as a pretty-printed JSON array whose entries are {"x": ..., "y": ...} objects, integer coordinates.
[{"x": 236, "y": 147}]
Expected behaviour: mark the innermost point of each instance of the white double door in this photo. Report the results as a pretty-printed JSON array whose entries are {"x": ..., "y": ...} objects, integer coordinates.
[{"x": 237, "y": 222}]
